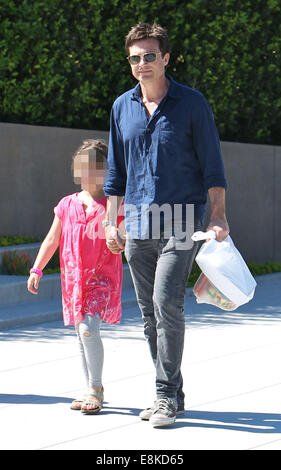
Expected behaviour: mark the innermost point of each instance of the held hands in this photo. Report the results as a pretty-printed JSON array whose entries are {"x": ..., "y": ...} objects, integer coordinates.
[
  {"x": 114, "y": 242},
  {"x": 33, "y": 283}
]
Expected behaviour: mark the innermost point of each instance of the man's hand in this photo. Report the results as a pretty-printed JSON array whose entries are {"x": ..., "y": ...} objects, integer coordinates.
[
  {"x": 220, "y": 226},
  {"x": 113, "y": 240}
]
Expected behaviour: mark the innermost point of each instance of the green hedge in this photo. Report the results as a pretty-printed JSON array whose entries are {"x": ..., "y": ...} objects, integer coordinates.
[
  {"x": 14, "y": 262},
  {"x": 10, "y": 240},
  {"x": 63, "y": 63}
]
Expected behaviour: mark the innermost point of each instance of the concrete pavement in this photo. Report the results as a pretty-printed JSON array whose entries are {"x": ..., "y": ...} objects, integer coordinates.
[{"x": 232, "y": 381}]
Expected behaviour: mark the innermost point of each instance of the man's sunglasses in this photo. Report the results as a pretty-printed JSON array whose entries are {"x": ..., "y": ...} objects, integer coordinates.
[{"x": 148, "y": 57}]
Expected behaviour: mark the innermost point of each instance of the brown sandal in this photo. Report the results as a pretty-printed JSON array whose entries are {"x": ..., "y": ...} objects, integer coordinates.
[{"x": 94, "y": 400}]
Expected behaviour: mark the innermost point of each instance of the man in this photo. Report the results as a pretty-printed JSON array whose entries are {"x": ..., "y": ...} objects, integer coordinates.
[{"x": 164, "y": 151}]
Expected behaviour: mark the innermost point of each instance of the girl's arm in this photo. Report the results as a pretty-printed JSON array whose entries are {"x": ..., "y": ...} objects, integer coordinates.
[{"x": 47, "y": 249}]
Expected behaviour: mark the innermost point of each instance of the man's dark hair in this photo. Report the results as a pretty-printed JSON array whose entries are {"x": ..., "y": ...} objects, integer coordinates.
[{"x": 148, "y": 31}]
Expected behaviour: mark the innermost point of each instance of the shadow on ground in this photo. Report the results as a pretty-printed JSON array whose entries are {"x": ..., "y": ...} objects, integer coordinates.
[{"x": 233, "y": 421}]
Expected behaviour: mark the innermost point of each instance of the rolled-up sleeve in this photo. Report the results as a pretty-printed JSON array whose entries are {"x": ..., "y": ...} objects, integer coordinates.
[
  {"x": 117, "y": 177},
  {"x": 207, "y": 145}
]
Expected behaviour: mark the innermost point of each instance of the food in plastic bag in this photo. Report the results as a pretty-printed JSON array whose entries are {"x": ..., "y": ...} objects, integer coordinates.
[
  {"x": 225, "y": 270},
  {"x": 206, "y": 293}
]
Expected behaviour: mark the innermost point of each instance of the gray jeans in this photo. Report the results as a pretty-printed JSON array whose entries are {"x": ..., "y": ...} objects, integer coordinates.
[
  {"x": 91, "y": 349},
  {"x": 160, "y": 271}
]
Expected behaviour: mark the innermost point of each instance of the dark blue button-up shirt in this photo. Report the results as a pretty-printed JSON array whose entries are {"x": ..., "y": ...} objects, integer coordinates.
[{"x": 173, "y": 157}]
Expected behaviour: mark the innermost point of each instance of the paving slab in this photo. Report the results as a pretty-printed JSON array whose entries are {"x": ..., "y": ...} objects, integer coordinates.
[{"x": 232, "y": 381}]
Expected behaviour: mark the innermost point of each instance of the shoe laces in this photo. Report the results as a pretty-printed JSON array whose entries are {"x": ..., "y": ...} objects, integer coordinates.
[{"x": 165, "y": 404}]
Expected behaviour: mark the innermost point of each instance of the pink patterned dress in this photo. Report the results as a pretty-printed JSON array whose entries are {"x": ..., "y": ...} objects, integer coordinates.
[{"x": 91, "y": 276}]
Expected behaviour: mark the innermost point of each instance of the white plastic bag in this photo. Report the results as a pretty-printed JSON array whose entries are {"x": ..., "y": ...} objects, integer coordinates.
[{"x": 229, "y": 282}]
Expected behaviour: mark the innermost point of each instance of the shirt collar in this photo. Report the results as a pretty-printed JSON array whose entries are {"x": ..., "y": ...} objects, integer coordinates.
[
  {"x": 173, "y": 90},
  {"x": 136, "y": 92}
]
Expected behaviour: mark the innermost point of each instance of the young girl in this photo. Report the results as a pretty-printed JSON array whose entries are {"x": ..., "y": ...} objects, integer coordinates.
[{"x": 91, "y": 275}]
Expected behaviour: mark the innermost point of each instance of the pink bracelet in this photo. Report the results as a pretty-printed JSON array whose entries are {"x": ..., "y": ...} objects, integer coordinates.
[{"x": 36, "y": 271}]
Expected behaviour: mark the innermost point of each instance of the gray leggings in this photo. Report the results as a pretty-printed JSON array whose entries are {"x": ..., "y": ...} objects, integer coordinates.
[{"x": 91, "y": 349}]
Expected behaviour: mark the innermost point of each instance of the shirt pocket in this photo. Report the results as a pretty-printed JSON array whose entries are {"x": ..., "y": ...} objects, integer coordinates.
[{"x": 172, "y": 133}]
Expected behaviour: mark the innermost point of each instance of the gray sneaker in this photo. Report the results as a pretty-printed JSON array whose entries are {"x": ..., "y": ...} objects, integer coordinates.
[
  {"x": 146, "y": 414},
  {"x": 164, "y": 413}
]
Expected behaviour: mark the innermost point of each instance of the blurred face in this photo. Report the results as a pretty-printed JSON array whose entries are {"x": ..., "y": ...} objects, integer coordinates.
[
  {"x": 148, "y": 71},
  {"x": 88, "y": 170}
]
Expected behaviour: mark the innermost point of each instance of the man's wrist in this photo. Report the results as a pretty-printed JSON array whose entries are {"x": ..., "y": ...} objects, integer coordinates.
[{"x": 107, "y": 222}]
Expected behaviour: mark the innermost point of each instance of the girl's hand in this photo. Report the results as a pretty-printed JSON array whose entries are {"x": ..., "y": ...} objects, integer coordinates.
[
  {"x": 33, "y": 283},
  {"x": 116, "y": 246},
  {"x": 113, "y": 240}
]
